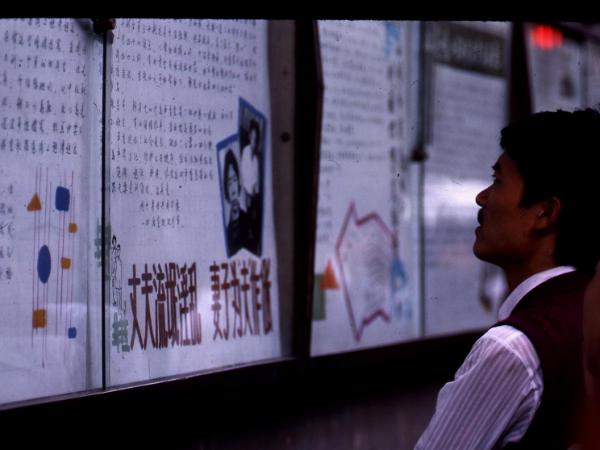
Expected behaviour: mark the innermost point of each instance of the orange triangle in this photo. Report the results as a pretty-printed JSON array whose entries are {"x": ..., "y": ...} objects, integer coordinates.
[
  {"x": 329, "y": 281},
  {"x": 34, "y": 204}
]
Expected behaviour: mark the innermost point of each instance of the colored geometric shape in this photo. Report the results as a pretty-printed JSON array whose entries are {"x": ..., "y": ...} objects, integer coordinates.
[
  {"x": 44, "y": 264},
  {"x": 34, "y": 204},
  {"x": 72, "y": 333},
  {"x": 65, "y": 263},
  {"x": 318, "y": 298},
  {"x": 329, "y": 281},
  {"x": 364, "y": 252},
  {"x": 62, "y": 198},
  {"x": 39, "y": 318},
  {"x": 72, "y": 228}
]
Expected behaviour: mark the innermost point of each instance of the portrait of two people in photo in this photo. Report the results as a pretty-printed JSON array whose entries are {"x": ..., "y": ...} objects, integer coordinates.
[{"x": 241, "y": 169}]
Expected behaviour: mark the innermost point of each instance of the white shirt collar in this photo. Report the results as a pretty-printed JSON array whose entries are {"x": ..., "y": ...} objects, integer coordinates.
[{"x": 527, "y": 285}]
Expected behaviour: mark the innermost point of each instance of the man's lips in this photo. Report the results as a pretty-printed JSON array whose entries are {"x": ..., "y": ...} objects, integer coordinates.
[{"x": 480, "y": 217}]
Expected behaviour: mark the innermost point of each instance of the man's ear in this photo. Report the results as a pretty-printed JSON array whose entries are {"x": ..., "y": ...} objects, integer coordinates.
[{"x": 548, "y": 211}]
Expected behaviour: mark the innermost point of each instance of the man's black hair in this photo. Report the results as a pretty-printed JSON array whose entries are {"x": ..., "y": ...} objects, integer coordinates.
[
  {"x": 230, "y": 160},
  {"x": 256, "y": 127},
  {"x": 557, "y": 154},
  {"x": 245, "y": 136}
]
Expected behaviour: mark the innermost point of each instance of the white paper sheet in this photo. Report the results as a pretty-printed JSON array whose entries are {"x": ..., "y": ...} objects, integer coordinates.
[
  {"x": 50, "y": 91},
  {"x": 466, "y": 114},
  {"x": 364, "y": 293},
  {"x": 555, "y": 73},
  {"x": 193, "y": 264}
]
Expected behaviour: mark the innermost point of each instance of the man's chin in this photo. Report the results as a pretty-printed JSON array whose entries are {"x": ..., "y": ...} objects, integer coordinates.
[{"x": 479, "y": 251}]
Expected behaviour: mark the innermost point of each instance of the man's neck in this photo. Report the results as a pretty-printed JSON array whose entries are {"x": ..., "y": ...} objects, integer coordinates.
[{"x": 515, "y": 275}]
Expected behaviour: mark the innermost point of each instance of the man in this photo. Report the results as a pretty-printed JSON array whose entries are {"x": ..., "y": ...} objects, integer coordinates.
[
  {"x": 250, "y": 164},
  {"x": 237, "y": 229},
  {"x": 521, "y": 386}
]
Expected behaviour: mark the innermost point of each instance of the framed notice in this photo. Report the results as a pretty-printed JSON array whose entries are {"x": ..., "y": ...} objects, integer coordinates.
[
  {"x": 193, "y": 263},
  {"x": 50, "y": 185},
  {"x": 365, "y": 281},
  {"x": 465, "y": 111}
]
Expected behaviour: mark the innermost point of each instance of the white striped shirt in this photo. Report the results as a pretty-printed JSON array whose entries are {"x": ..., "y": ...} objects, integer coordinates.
[{"x": 497, "y": 390}]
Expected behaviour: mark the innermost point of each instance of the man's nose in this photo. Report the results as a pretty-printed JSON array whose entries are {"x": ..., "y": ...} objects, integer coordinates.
[{"x": 481, "y": 198}]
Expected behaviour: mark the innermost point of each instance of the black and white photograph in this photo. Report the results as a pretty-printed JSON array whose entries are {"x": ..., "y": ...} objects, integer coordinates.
[
  {"x": 252, "y": 154},
  {"x": 235, "y": 217}
]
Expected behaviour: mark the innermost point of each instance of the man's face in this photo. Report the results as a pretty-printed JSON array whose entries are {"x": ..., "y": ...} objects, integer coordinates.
[
  {"x": 504, "y": 235},
  {"x": 233, "y": 184},
  {"x": 253, "y": 138}
]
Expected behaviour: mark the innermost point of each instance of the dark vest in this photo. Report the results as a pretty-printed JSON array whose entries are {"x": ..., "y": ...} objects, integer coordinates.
[{"x": 550, "y": 315}]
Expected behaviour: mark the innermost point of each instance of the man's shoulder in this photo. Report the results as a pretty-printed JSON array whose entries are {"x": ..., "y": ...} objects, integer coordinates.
[
  {"x": 506, "y": 342},
  {"x": 502, "y": 334}
]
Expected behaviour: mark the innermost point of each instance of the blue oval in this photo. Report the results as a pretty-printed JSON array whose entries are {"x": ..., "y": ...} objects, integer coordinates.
[{"x": 44, "y": 264}]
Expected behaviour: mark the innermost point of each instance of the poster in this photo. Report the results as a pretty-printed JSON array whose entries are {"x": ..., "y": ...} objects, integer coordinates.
[
  {"x": 593, "y": 74},
  {"x": 193, "y": 266},
  {"x": 50, "y": 304},
  {"x": 466, "y": 111},
  {"x": 556, "y": 69},
  {"x": 364, "y": 293}
]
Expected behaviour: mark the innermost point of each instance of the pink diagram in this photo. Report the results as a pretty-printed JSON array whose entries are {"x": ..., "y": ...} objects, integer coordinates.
[{"x": 364, "y": 252}]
